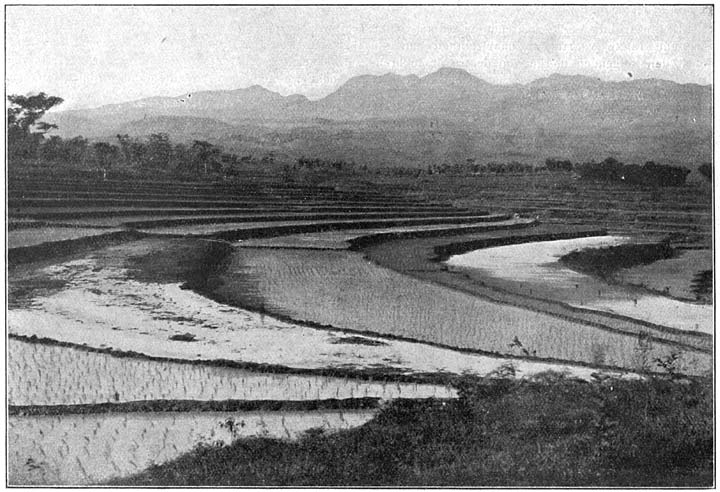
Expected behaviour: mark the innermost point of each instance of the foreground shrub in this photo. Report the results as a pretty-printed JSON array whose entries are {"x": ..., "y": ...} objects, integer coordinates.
[{"x": 549, "y": 431}]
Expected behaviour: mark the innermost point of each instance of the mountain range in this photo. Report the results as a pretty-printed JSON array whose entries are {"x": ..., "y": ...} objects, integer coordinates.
[{"x": 443, "y": 117}]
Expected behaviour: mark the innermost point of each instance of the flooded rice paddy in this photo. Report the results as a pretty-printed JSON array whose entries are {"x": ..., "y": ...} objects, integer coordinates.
[
  {"x": 674, "y": 276},
  {"x": 341, "y": 239},
  {"x": 210, "y": 228},
  {"x": 533, "y": 269},
  {"x": 92, "y": 378},
  {"x": 343, "y": 290},
  {"x": 90, "y": 449},
  {"x": 96, "y": 304},
  {"x": 99, "y": 307},
  {"x": 47, "y": 234}
]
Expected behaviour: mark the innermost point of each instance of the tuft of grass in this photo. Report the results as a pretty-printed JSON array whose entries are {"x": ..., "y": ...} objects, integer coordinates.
[
  {"x": 355, "y": 340},
  {"x": 702, "y": 285},
  {"x": 547, "y": 431},
  {"x": 182, "y": 337}
]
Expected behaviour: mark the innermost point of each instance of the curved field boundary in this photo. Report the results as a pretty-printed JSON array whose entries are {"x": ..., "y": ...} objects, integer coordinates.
[
  {"x": 60, "y": 213},
  {"x": 92, "y": 181},
  {"x": 41, "y": 187},
  {"x": 44, "y": 251},
  {"x": 87, "y": 450},
  {"x": 91, "y": 378},
  {"x": 370, "y": 239},
  {"x": 445, "y": 251},
  {"x": 177, "y": 202},
  {"x": 699, "y": 342},
  {"x": 384, "y": 374},
  {"x": 157, "y": 300},
  {"x": 429, "y": 267},
  {"x": 326, "y": 291},
  {"x": 342, "y": 240},
  {"x": 576, "y": 204},
  {"x": 152, "y": 406},
  {"x": 209, "y": 195},
  {"x": 284, "y": 217},
  {"x": 14, "y": 225},
  {"x": 259, "y": 232}
]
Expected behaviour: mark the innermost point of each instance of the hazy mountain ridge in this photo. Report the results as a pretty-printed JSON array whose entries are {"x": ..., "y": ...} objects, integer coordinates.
[{"x": 443, "y": 114}]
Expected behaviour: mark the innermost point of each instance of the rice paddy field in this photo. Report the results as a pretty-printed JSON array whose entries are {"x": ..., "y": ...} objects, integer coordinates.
[
  {"x": 93, "y": 293},
  {"x": 342, "y": 289},
  {"x": 535, "y": 267},
  {"x": 148, "y": 320},
  {"x": 251, "y": 229},
  {"x": 81, "y": 450},
  {"x": 673, "y": 276},
  {"x": 94, "y": 378},
  {"x": 49, "y": 234}
]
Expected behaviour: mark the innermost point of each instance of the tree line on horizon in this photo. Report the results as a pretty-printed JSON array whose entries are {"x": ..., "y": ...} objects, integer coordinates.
[
  {"x": 28, "y": 141},
  {"x": 609, "y": 170}
]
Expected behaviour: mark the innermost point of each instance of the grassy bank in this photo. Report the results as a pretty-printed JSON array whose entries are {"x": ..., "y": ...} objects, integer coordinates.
[
  {"x": 549, "y": 431},
  {"x": 603, "y": 262}
]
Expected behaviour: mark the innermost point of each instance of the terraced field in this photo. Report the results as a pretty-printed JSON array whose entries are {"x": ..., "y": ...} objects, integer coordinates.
[
  {"x": 51, "y": 233},
  {"x": 147, "y": 318},
  {"x": 560, "y": 198},
  {"x": 534, "y": 268},
  {"x": 91, "y": 449},
  {"x": 91, "y": 294},
  {"x": 341, "y": 289},
  {"x": 96, "y": 378}
]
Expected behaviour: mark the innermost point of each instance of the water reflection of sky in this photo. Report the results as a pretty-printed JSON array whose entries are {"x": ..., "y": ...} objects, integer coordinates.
[
  {"x": 533, "y": 269},
  {"x": 532, "y": 261}
]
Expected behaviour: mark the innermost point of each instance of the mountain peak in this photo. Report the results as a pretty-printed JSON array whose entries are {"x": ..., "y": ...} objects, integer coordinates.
[
  {"x": 451, "y": 72},
  {"x": 257, "y": 88},
  {"x": 373, "y": 82},
  {"x": 453, "y": 77}
]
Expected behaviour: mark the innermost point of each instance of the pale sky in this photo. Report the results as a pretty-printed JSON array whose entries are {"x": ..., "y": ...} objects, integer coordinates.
[{"x": 96, "y": 55}]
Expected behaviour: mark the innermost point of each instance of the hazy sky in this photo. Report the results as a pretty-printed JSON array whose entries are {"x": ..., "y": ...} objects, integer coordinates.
[{"x": 96, "y": 55}]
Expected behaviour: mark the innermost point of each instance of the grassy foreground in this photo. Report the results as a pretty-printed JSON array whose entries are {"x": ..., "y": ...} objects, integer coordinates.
[{"x": 500, "y": 432}]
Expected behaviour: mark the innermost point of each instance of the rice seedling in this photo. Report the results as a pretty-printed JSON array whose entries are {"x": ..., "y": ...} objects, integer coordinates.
[
  {"x": 341, "y": 289},
  {"x": 96, "y": 305},
  {"x": 96, "y": 378},
  {"x": 90, "y": 449}
]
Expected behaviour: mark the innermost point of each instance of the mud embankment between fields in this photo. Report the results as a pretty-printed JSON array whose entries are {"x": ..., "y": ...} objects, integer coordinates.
[
  {"x": 264, "y": 232},
  {"x": 380, "y": 375},
  {"x": 357, "y": 244},
  {"x": 151, "y": 406},
  {"x": 57, "y": 249}
]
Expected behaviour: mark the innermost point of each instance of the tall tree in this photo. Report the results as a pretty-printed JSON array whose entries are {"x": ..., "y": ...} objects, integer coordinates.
[
  {"x": 25, "y": 130},
  {"x": 159, "y": 152}
]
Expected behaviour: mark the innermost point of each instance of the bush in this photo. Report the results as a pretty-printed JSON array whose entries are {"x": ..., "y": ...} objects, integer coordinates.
[
  {"x": 547, "y": 431},
  {"x": 603, "y": 262}
]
